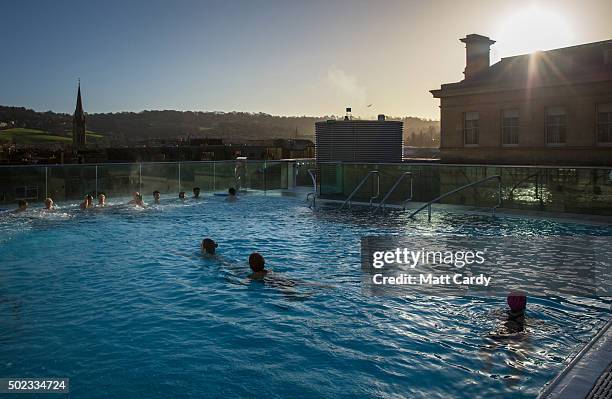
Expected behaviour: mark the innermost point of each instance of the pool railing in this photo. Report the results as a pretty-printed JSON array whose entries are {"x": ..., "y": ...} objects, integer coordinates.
[{"x": 565, "y": 189}]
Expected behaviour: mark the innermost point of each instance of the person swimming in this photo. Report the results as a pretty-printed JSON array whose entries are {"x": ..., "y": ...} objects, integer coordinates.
[
  {"x": 22, "y": 206},
  {"x": 87, "y": 202},
  {"x": 137, "y": 200},
  {"x": 156, "y": 196},
  {"x": 517, "y": 304},
  {"x": 49, "y": 205},
  {"x": 208, "y": 246},
  {"x": 101, "y": 199},
  {"x": 196, "y": 192},
  {"x": 258, "y": 266},
  {"x": 231, "y": 195},
  {"x": 182, "y": 196}
]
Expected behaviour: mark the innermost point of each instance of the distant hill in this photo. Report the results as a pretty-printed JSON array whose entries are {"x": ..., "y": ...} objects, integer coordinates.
[
  {"x": 26, "y": 136},
  {"x": 131, "y": 127}
]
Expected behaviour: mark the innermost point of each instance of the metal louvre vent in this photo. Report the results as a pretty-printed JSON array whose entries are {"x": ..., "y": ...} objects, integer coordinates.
[{"x": 359, "y": 141}]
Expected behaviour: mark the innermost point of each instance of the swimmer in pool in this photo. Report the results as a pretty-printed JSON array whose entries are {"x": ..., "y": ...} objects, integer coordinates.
[
  {"x": 22, "y": 206},
  {"x": 196, "y": 192},
  {"x": 156, "y": 197},
  {"x": 49, "y": 205},
  {"x": 137, "y": 200},
  {"x": 208, "y": 246},
  {"x": 101, "y": 199},
  {"x": 271, "y": 279},
  {"x": 87, "y": 202},
  {"x": 517, "y": 304},
  {"x": 182, "y": 196},
  {"x": 232, "y": 195},
  {"x": 257, "y": 263}
]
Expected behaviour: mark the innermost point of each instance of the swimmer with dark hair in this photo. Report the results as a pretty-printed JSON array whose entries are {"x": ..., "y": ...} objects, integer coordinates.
[
  {"x": 196, "y": 192},
  {"x": 208, "y": 246},
  {"x": 271, "y": 279},
  {"x": 22, "y": 206},
  {"x": 87, "y": 202},
  {"x": 182, "y": 196},
  {"x": 257, "y": 263},
  {"x": 156, "y": 196},
  {"x": 101, "y": 200},
  {"x": 231, "y": 195},
  {"x": 49, "y": 205}
]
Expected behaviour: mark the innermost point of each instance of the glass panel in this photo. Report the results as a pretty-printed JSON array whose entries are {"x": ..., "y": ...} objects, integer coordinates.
[
  {"x": 71, "y": 182},
  {"x": 162, "y": 177},
  {"x": 119, "y": 181},
  {"x": 196, "y": 174},
  {"x": 302, "y": 177},
  {"x": 576, "y": 190},
  {"x": 275, "y": 175},
  {"x": 21, "y": 182},
  {"x": 230, "y": 174},
  {"x": 331, "y": 179}
]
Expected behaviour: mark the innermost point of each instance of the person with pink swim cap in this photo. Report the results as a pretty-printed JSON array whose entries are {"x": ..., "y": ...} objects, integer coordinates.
[{"x": 517, "y": 303}]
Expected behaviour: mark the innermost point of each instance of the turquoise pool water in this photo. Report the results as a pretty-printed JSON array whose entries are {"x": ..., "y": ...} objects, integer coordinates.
[{"x": 119, "y": 301}]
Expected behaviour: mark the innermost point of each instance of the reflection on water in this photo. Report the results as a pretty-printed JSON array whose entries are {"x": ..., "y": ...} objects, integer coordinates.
[{"x": 119, "y": 299}]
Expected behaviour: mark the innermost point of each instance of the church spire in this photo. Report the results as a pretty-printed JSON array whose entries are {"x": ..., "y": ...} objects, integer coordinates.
[{"x": 78, "y": 123}]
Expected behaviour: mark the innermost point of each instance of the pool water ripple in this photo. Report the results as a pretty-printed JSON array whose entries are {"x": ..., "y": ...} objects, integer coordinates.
[{"x": 120, "y": 301}]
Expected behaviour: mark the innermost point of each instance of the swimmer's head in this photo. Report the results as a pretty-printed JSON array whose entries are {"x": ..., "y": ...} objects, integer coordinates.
[
  {"x": 156, "y": 195},
  {"x": 182, "y": 195},
  {"x": 209, "y": 245},
  {"x": 196, "y": 192},
  {"x": 517, "y": 302},
  {"x": 89, "y": 199},
  {"x": 232, "y": 191},
  {"x": 101, "y": 199},
  {"x": 257, "y": 262},
  {"x": 23, "y": 205},
  {"x": 48, "y": 203}
]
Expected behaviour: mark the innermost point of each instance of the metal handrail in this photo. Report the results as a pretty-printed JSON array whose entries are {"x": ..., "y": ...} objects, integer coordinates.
[
  {"x": 537, "y": 184},
  {"x": 314, "y": 200},
  {"x": 428, "y": 205},
  {"x": 370, "y": 173},
  {"x": 397, "y": 182},
  {"x": 312, "y": 172}
]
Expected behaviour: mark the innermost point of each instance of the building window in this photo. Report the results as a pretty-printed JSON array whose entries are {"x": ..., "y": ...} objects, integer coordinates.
[
  {"x": 510, "y": 127},
  {"x": 470, "y": 128},
  {"x": 604, "y": 123},
  {"x": 556, "y": 125}
]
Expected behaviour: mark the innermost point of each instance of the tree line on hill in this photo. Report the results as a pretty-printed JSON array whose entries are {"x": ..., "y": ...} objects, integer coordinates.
[{"x": 131, "y": 127}]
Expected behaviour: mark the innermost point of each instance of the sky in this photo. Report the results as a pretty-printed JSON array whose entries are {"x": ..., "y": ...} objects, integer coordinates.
[{"x": 287, "y": 57}]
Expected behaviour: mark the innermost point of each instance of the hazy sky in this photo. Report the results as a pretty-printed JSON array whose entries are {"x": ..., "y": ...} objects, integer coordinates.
[{"x": 283, "y": 57}]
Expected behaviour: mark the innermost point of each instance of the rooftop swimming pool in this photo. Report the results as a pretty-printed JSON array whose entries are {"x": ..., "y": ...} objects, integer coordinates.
[{"x": 119, "y": 300}]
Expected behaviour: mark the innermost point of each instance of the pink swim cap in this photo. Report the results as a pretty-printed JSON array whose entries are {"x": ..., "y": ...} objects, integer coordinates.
[{"x": 517, "y": 302}]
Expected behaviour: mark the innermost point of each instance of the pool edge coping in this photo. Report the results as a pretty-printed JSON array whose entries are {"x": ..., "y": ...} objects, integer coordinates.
[{"x": 582, "y": 372}]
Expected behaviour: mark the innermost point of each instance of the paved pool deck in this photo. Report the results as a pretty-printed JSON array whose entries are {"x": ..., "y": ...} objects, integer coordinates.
[{"x": 588, "y": 374}]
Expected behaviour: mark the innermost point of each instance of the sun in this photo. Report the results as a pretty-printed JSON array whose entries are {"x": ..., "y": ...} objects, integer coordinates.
[{"x": 532, "y": 29}]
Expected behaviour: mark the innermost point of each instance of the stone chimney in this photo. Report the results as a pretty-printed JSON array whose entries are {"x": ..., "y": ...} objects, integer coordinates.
[{"x": 477, "y": 59}]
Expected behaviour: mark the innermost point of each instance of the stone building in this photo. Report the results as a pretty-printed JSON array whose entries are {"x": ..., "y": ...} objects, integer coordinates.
[{"x": 548, "y": 107}]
